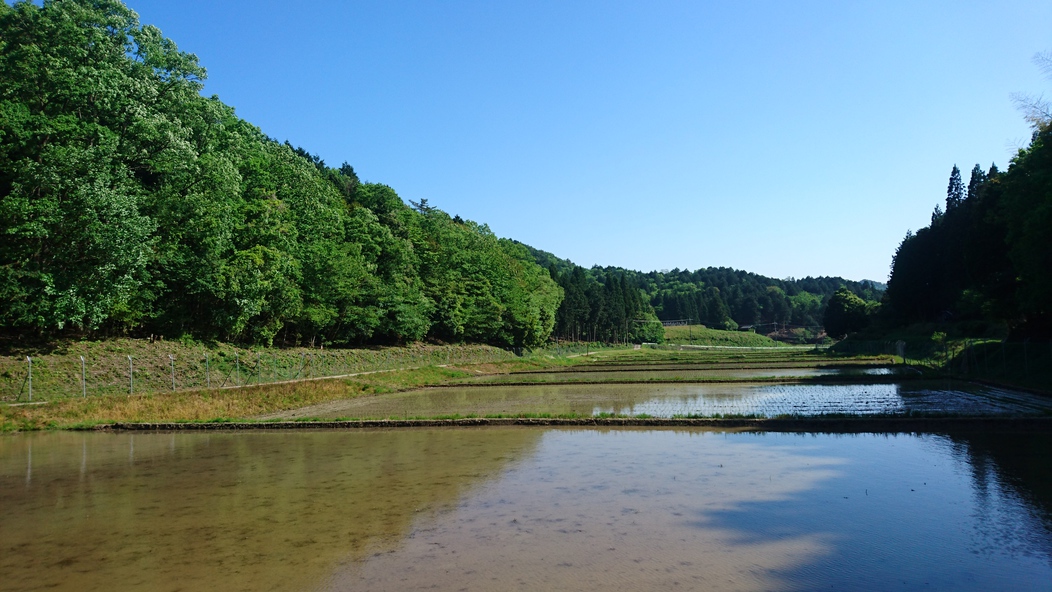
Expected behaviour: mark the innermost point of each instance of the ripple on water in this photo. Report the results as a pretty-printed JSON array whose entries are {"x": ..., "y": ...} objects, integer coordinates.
[
  {"x": 536, "y": 509},
  {"x": 672, "y": 400}
]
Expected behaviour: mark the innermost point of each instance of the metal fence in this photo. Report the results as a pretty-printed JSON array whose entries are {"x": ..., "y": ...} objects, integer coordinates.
[{"x": 35, "y": 378}]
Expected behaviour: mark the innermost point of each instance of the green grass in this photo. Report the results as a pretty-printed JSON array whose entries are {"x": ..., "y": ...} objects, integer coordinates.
[
  {"x": 1018, "y": 364},
  {"x": 781, "y": 355},
  {"x": 702, "y": 335},
  {"x": 57, "y": 370},
  {"x": 228, "y": 405}
]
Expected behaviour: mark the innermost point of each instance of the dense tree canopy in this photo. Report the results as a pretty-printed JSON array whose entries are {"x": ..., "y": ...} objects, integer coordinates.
[
  {"x": 845, "y": 313},
  {"x": 721, "y": 298},
  {"x": 130, "y": 203},
  {"x": 988, "y": 258}
]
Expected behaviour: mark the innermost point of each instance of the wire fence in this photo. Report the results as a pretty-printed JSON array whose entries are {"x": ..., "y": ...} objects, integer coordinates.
[
  {"x": 579, "y": 348},
  {"x": 1025, "y": 363},
  {"x": 45, "y": 377}
]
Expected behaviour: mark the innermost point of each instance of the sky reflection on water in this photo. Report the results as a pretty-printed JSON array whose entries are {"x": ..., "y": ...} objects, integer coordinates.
[
  {"x": 478, "y": 509},
  {"x": 670, "y": 400},
  {"x": 624, "y": 510}
]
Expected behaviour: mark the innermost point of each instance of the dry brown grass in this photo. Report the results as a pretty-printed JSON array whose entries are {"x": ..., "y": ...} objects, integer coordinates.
[{"x": 215, "y": 405}]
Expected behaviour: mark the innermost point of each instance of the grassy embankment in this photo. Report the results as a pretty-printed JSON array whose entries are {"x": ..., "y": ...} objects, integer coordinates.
[
  {"x": 215, "y": 404},
  {"x": 780, "y": 357},
  {"x": 702, "y": 335},
  {"x": 59, "y": 399},
  {"x": 946, "y": 350},
  {"x": 57, "y": 370},
  {"x": 375, "y": 371}
]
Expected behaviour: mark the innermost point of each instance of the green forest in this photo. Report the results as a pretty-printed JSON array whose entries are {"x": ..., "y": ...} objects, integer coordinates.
[
  {"x": 130, "y": 204},
  {"x": 986, "y": 259},
  {"x": 720, "y": 298}
]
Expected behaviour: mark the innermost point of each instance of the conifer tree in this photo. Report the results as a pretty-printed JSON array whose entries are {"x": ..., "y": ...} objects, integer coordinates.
[
  {"x": 955, "y": 190},
  {"x": 977, "y": 180}
]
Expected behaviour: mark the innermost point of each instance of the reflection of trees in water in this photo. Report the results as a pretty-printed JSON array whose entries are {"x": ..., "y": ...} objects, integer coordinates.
[
  {"x": 228, "y": 510},
  {"x": 1011, "y": 469}
]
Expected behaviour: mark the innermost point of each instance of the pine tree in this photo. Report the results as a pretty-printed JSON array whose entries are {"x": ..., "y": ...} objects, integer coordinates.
[{"x": 955, "y": 190}]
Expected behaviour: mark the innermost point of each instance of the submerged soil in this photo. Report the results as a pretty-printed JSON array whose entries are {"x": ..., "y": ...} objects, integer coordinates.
[
  {"x": 760, "y": 400},
  {"x": 575, "y": 509}
]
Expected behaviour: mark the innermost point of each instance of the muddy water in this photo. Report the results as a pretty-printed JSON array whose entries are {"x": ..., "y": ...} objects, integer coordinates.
[
  {"x": 681, "y": 373},
  {"x": 486, "y": 509},
  {"x": 665, "y": 374},
  {"x": 227, "y": 511},
  {"x": 669, "y": 400}
]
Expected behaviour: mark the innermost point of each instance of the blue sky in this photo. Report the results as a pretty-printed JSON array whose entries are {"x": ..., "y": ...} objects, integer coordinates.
[{"x": 784, "y": 138}]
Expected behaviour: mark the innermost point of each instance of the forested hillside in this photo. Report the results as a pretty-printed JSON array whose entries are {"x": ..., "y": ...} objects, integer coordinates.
[
  {"x": 720, "y": 298},
  {"x": 986, "y": 258},
  {"x": 130, "y": 204}
]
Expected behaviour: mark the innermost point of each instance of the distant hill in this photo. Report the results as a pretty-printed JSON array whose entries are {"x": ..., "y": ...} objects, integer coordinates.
[{"x": 722, "y": 297}]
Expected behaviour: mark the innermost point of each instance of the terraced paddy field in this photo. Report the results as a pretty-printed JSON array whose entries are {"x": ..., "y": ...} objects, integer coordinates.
[
  {"x": 516, "y": 508},
  {"x": 697, "y": 384},
  {"x": 765, "y": 400},
  {"x": 614, "y": 374},
  {"x": 734, "y": 505}
]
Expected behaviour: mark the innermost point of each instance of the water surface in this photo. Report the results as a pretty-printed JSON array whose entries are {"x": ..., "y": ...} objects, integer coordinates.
[
  {"x": 670, "y": 400},
  {"x": 692, "y": 372},
  {"x": 529, "y": 509}
]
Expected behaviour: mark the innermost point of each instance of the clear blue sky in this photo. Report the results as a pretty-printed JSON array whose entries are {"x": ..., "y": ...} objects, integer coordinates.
[{"x": 784, "y": 138}]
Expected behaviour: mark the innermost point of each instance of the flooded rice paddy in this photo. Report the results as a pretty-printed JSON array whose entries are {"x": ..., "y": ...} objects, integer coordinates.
[
  {"x": 525, "y": 509},
  {"x": 663, "y": 374},
  {"x": 686, "y": 400},
  {"x": 684, "y": 373}
]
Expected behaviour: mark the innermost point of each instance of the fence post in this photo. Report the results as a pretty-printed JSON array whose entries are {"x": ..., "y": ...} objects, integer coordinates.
[
  {"x": 1026, "y": 362},
  {"x": 171, "y": 361},
  {"x": 30, "y": 360},
  {"x": 208, "y": 377},
  {"x": 986, "y": 359},
  {"x": 237, "y": 367},
  {"x": 83, "y": 379},
  {"x": 946, "y": 358},
  {"x": 258, "y": 371},
  {"x": 1004, "y": 362},
  {"x": 131, "y": 377}
]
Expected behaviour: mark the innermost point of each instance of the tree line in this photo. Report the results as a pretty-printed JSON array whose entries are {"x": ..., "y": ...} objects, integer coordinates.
[
  {"x": 986, "y": 258},
  {"x": 718, "y": 297},
  {"x": 981, "y": 268},
  {"x": 130, "y": 204}
]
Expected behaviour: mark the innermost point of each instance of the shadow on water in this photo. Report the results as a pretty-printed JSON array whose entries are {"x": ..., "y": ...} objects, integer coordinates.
[
  {"x": 702, "y": 400},
  {"x": 230, "y": 511},
  {"x": 500, "y": 508},
  {"x": 695, "y": 509},
  {"x": 965, "y": 511}
]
